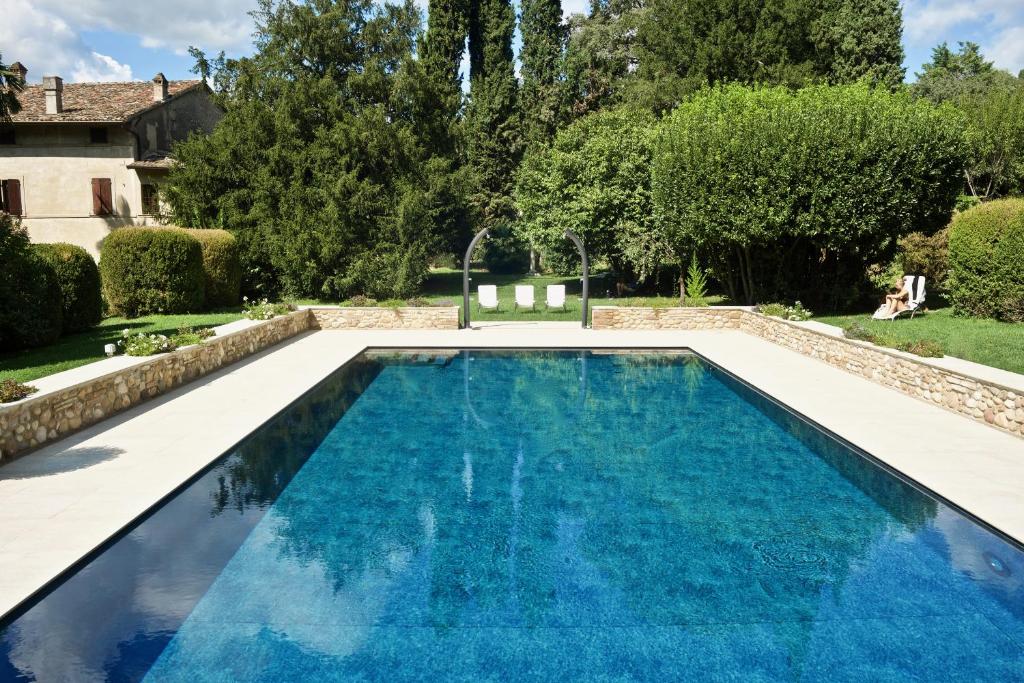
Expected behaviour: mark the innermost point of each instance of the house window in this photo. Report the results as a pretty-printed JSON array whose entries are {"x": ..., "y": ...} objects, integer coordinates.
[
  {"x": 102, "y": 198},
  {"x": 10, "y": 196},
  {"x": 150, "y": 202},
  {"x": 98, "y": 136},
  {"x": 7, "y": 135}
]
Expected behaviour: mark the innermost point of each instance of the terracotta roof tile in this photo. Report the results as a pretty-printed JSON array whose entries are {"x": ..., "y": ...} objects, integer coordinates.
[{"x": 95, "y": 102}]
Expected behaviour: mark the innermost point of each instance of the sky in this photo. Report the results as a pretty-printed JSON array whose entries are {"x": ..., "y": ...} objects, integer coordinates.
[{"x": 110, "y": 40}]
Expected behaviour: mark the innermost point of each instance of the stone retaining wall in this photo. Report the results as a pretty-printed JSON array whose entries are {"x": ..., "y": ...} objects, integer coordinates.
[
  {"x": 987, "y": 402},
  {"x": 37, "y": 420},
  {"x": 640, "y": 318},
  {"x": 379, "y": 318}
]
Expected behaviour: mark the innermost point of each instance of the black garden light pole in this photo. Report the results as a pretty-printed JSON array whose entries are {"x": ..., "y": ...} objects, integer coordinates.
[
  {"x": 586, "y": 273},
  {"x": 465, "y": 275}
]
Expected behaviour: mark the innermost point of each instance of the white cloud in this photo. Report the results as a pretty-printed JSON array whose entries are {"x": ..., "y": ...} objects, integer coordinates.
[
  {"x": 166, "y": 24},
  {"x": 1008, "y": 49},
  {"x": 100, "y": 68},
  {"x": 47, "y": 45}
]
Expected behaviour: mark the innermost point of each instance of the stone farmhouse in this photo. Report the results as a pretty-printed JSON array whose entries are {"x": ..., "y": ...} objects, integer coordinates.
[{"x": 82, "y": 159}]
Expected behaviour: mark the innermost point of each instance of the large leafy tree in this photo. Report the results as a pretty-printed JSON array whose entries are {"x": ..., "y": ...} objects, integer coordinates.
[
  {"x": 863, "y": 39},
  {"x": 323, "y": 163},
  {"x": 595, "y": 179},
  {"x": 992, "y": 101},
  {"x": 599, "y": 56},
  {"x": 791, "y": 194},
  {"x": 684, "y": 44},
  {"x": 541, "y": 56},
  {"x": 952, "y": 75}
]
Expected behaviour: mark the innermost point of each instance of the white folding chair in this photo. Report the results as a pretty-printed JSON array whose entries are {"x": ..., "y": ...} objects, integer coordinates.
[
  {"x": 555, "y": 296},
  {"x": 487, "y": 297},
  {"x": 524, "y": 296}
]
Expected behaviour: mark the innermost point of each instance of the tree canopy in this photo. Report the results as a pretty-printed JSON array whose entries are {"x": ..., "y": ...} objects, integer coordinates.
[{"x": 325, "y": 163}]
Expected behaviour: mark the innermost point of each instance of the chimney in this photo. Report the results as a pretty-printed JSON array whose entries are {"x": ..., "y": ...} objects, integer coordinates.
[
  {"x": 53, "y": 87},
  {"x": 19, "y": 70},
  {"x": 159, "y": 88}
]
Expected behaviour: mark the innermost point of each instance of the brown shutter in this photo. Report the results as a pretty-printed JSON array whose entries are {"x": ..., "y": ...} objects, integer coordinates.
[
  {"x": 12, "y": 196},
  {"x": 102, "y": 205}
]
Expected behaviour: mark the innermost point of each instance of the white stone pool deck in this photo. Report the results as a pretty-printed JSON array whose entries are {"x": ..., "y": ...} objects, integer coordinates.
[{"x": 61, "y": 502}]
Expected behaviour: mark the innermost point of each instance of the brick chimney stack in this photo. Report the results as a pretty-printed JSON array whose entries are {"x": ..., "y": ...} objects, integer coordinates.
[
  {"x": 53, "y": 88},
  {"x": 19, "y": 69},
  {"x": 159, "y": 88}
]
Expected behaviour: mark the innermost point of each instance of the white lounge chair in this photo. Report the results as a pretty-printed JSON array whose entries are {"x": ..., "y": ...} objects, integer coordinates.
[
  {"x": 524, "y": 296},
  {"x": 555, "y": 296},
  {"x": 915, "y": 285},
  {"x": 487, "y": 297}
]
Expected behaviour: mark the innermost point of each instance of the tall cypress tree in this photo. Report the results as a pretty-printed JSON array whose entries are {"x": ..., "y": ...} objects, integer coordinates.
[
  {"x": 543, "y": 40},
  {"x": 493, "y": 125},
  {"x": 862, "y": 40},
  {"x": 444, "y": 45}
]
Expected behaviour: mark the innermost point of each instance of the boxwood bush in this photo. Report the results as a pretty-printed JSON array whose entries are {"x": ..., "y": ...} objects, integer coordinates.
[
  {"x": 152, "y": 270},
  {"x": 79, "y": 281},
  {"x": 986, "y": 260},
  {"x": 30, "y": 297},
  {"x": 221, "y": 266}
]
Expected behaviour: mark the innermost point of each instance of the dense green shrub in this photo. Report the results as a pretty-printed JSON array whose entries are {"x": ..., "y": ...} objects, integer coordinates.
[
  {"x": 79, "y": 279},
  {"x": 986, "y": 255},
  {"x": 30, "y": 297},
  {"x": 595, "y": 179},
  {"x": 793, "y": 194},
  {"x": 926, "y": 255},
  {"x": 222, "y": 267},
  {"x": 506, "y": 253},
  {"x": 147, "y": 270}
]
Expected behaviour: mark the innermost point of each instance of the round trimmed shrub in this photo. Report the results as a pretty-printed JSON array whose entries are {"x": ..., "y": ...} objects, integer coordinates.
[
  {"x": 30, "y": 298},
  {"x": 986, "y": 253},
  {"x": 79, "y": 280},
  {"x": 221, "y": 265},
  {"x": 152, "y": 270}
]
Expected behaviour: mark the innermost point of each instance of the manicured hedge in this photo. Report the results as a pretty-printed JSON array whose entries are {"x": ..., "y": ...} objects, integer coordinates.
[
  {"x": 30, "y": 297},
  {"x": 221, "y": 265},
  {"x": 152, "y": 270},
  {"x": 986, "y": 259},
  {"x": 79, "y": 280}
]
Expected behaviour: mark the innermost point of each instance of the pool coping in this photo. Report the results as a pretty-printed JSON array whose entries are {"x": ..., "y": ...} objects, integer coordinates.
[{"x": 357, "y": 342}]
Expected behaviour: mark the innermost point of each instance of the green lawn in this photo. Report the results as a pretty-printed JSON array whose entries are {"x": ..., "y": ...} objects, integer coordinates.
[
  {"x": 86, "y": 347},
  {"x": 446, "y": 285},
  {"x": 1000, "y": 345}
]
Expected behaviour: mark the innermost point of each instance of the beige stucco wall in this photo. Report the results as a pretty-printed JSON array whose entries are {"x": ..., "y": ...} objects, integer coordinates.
[{"x": 56, "y": 165}]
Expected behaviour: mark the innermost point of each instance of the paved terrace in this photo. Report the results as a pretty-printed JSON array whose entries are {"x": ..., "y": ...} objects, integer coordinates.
[{"x": 61, "y": 502}]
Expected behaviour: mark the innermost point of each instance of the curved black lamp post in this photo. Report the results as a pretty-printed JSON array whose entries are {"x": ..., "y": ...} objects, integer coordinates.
[
  {"x": 585, "y": 298},
  {"x": 465, "y": 275}
]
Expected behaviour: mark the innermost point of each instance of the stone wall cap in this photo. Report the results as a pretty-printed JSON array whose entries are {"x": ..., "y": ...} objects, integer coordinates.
[{"x": 76, "y": 378}]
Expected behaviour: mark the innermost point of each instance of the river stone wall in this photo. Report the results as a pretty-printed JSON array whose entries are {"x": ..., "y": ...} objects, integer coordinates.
[
  {"x": 39, "y": 419},
  {"x": 981, "y": 400},
  {"x": 641, "y": 318},
  {"x": 380, "y": 318}
]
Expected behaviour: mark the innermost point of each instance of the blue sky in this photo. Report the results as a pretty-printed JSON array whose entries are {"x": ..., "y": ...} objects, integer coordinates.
[{"x": 88, "y": 40}]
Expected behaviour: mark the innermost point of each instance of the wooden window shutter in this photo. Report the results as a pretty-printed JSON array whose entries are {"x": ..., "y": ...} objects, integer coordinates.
[
  {"x": 102, "y": 204},
  {"x": 12, "y": 196}
]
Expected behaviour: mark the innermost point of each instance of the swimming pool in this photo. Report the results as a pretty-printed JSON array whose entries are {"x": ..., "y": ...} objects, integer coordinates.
[{"x": 541, "y": 515}]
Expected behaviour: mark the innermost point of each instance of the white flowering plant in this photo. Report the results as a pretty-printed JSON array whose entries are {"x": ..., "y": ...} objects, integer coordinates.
[
  {"x": 795, "y": 312},
  {"x": 263, "y": 309},
  {"x": 142, "y": 344}
]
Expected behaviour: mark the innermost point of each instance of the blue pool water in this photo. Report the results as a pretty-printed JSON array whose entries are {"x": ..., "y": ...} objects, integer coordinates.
[{"x": 491, "y": 516}]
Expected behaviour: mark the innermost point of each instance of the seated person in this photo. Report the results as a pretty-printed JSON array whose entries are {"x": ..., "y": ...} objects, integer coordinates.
[{"x": 898, "y": 299}]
